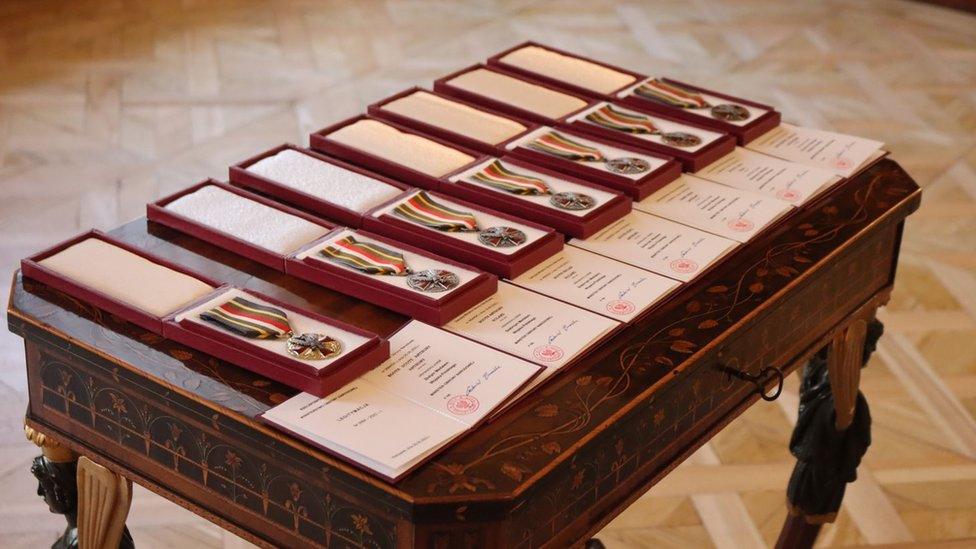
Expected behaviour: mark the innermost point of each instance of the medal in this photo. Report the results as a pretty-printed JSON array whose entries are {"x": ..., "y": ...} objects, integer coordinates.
[
  {"x": 424, "y": 210},
  {"x": 255, "y": 321},
  {"x": 556, "y": 144},
  {"x": 628, "y": 165},
  {"x": 631, "y": 122},
  {"x": 433, "y": 280},
  {"x": 683, "y": 98},
  {"x": 377, "y": 260},
  {"x": 501, "y": 237},
  {"x": 498, "y": 176},
  {"x": 572, "y": 201},
  {"x": 730, "y": 112}
]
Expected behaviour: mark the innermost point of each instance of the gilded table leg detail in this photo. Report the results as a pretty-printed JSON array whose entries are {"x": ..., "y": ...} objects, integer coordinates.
[
  {"x": 832, "y": 433},
  {"x": 104, "y": 498},
  {"x": 55, "y": 470},
  {"x": 93, "y": 500}
]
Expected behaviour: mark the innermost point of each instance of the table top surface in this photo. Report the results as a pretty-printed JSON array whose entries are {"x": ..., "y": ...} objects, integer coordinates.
[{"x": 504, "y": 457}]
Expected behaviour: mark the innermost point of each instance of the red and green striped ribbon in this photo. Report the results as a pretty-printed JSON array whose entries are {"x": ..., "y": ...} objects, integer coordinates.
[
  {"x": 422, "y": 209},
  {"x": 670, "y": 94},
  {"x": 498, "y": 176},
  {"x": 366, "y": 257},
  {"x": 249, "y": 319},
  {"x": 557, "y": 144},
  {"x": 611, "y": 118}
]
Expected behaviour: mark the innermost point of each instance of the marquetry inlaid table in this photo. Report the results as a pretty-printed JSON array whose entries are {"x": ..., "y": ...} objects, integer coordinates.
[{"x": 550, "y": 471}]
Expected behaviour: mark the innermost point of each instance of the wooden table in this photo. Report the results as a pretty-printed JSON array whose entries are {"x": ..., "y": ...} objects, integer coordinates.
[{"x": 551, "y": 471}]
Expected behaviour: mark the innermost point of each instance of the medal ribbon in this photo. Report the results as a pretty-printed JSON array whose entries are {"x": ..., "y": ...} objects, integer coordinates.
[
  {"x": 249, "y": 319},
  {"x": 421, "y": 208},
  {"x": 670, "y": 94},
  {"x": 611, "y": 118},
  {"x": 559, "y": 145},
  {"x": 498, "y": 176},
  {"x": 365, "y": 257}
]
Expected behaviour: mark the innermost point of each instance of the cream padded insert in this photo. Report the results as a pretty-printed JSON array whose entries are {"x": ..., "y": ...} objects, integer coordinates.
[
  {"x": 565, "y": 68},
  {"x": 519, "y": 93},
  {"x": 127, "y": 277},
  {"x": 334, "y": 184},
  {"x": 246, "y": 219},
  {"x": 456, "y": 117},
  {"x": 412, "y": 151}
]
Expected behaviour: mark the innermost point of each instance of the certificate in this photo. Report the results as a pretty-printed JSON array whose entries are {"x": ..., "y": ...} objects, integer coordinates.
[
  {"x": 658, "y": 245},
  {"x": 434, "y": 387},
  {"x": 719, "y": 209},
  {"x": 840, "y": 153},
  {"x": 449, "y": 374},
  {"x": 373, "y": 428},
  {"x": 768, "y": 175},
  {"x": 596, "y": 283},
  {"x": 532, "y": 326}
]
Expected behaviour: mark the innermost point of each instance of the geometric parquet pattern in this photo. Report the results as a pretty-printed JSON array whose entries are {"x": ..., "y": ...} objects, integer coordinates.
[{"x": 107, "y": 104}]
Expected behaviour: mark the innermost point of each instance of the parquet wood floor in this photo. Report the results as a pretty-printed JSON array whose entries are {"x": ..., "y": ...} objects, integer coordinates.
[{"x": 108, "y": 104}]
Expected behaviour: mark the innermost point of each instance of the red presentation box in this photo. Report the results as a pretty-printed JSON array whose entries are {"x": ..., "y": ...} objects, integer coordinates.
[
  {"x": 429, "y": 308},
  {"x": 315, "y": 204},
  {"x": 300, "y": 374},
  {"x": 578, "y": 226},
  {"x": 320, "y": 141},
  {"x": 691, "y": 160},
  {"x": 377, "y": 110},
  {"x": 743, "y": 133},
  {"x": 157, "y": 211},
  {"x": 212, "y": 340},
  {"x": 446, "y": 244},
  {"x": 638, "y": 189}
]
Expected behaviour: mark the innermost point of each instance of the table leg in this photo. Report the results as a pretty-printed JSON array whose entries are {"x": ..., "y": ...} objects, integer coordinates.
[
  {"x": 93, "y": 500},
  {"x": 832, "y": 433}
]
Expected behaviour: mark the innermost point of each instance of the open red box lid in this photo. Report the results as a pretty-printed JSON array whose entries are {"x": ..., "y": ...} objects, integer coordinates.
[
  {"x": 762, "y": 120},
  {"x": 32, "y": 267},
  {"x": 369, "y": 349},
  {"x": 395, "y": 293},
  {"x": 159, "y": 213},
  {"x": 608, "y": 205},
  {"x": 658, "y": 171},
  {"x": 539, "y": 243},
  {"x": 321, "y": 141},
  {"x": 317, "y": 204},
  {"x": 380, "y": 110},
  {"x": 498, "y": 60}
]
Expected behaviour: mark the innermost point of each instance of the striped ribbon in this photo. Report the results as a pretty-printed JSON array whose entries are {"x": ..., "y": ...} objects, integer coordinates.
[
  {"x": 366, "y": 257},
  {"x": 609, "y": 117},
  {"x": 559, "y": 145},
  {"x": 422, "y": 209},
  {"x": 498, "y": 176},
  {"x": 670, "y": 94},
  {"x": 249, "y": 319}
]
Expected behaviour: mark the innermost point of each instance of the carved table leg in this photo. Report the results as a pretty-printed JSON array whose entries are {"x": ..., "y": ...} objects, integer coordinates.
[
  {"x": 832, "y": 433},
  {"x": 83, "y": 492},
  {"x": 103, "y": 503}
]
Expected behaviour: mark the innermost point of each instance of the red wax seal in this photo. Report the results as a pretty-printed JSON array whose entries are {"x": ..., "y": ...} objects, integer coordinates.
[
  {"x": 548, "y": 353},
  {"x": 684, "y": 266},
  {"x": 741, "y": 225},
  {"x": 462, "y": 405},
  {"x": 621, "y": 307},
  {"x": 843, "y": 163},
  {"x": 788, "y": 194}
]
